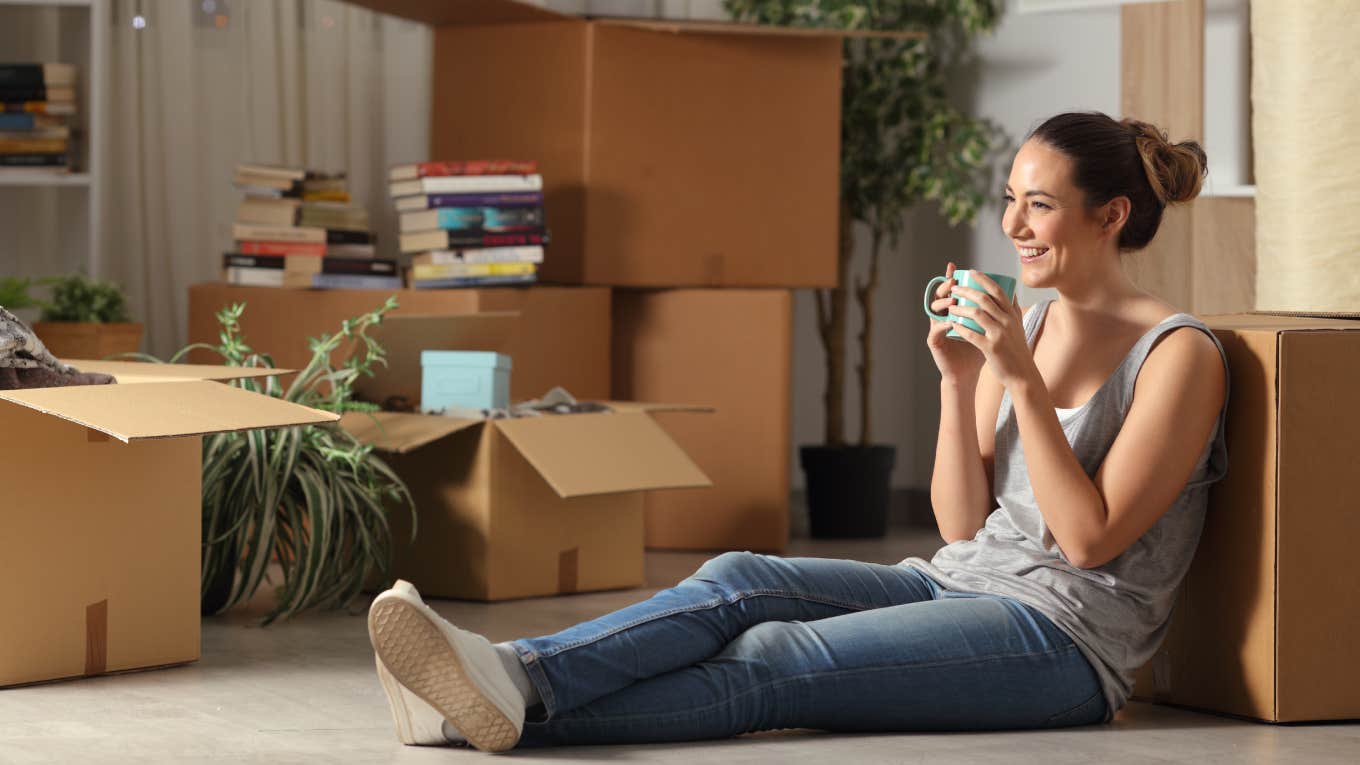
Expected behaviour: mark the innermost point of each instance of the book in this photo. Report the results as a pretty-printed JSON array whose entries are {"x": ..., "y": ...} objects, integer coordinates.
[
  {"x": 38, "y": 93},
  {"x": 248, "y": 181},
  {"x": 490, "y": 198},
  {"x": 471, "y": 217},
  {"x": 257, "y": 247},
  {"x": 250, "y": 231},
  {"x": 440, "y": 239},
  {"x": 32, "y": 145},
  {"x": 259, "y": 192},
  {"x": 39, "y": 107},
  {"x": 272, "y": 171},
  {"x": 19, "y": 75},
  {"x": 348, "y": 236},
  {"x": 446, "y": 270},
  {"x": 470, "y": 167},
  {"x": 33, "y": 160},
  {"x": 275, "y": 277},
  {"x": 31, "y": 132},
  {"x": 482, "y": 255},
  {"x": 455, "y": 184},
  {"x": 474, "y": 281},
  {"x": 332, "y": 215},
  {"x": 15, "y": 121},
  {"x": 311, "y": 264},
  {"x": 350, "y": 251},
  {"x": 267, "y": 211},
  {"x": 325, "y": 196}
]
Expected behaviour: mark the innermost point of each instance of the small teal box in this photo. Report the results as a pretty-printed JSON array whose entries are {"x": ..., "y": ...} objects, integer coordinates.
[{"x": 477, "y": 379}]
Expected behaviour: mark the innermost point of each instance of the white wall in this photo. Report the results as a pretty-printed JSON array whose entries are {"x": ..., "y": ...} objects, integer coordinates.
[{"x": 1034, "y": 66}]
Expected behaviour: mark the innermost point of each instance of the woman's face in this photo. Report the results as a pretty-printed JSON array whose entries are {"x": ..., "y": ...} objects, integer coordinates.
[{"x": 1056, "y": 236}]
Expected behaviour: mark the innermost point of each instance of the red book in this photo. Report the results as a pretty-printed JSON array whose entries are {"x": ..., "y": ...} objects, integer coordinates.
[
  {"x": 255, "y": 247},
  {"x": 470, "y": 167}
]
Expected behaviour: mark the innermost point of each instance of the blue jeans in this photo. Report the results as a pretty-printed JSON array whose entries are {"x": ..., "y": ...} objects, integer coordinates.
[{"x": 757, "y": 642}]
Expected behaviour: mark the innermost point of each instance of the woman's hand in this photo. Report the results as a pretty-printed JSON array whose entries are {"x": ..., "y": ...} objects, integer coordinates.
[
  {"x": 957, "y": 361},
  {"x": 1004, "y": 345}
]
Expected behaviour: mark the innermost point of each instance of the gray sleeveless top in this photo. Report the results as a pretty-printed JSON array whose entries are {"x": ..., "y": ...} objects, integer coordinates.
[{"x": 1117, "y": 613}]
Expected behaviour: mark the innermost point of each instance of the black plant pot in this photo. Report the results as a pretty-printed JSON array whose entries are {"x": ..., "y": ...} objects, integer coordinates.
[
  {"x": 848, "y": 489},
  {"x": 219, "y": 589}
]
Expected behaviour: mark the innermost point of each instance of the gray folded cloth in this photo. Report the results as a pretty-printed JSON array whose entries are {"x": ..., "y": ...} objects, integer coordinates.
[{"x": 26, "y": 363}]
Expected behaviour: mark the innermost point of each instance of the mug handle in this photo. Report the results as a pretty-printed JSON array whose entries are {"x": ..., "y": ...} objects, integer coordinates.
[{"x": 925, "y": 303}]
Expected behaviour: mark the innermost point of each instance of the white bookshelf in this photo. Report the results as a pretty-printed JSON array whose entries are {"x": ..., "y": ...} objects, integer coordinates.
[{"x": 76, "y": 31}]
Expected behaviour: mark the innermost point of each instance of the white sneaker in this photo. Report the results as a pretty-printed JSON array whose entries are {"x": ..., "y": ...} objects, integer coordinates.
[{"x": 450, "y": 672}]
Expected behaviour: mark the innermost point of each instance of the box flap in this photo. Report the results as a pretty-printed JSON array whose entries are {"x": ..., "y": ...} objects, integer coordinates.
[
  {"x": 685, "y": 26},
  {"x": 165, "y": 409},
  {"x": 638, "y": 406},
  {"x": 446, "y": 12},
  {"x": 1277, "y": 322},
  {"x": 405, "y": 337},
  {"x": 584, "y": 454},
  {"x": 140, "y": 372},
  {"x": 401, "y": 433}
]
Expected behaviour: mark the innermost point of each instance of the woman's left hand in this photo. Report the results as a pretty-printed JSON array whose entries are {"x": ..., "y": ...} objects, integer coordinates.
[{"x": 1004, "y": 346}]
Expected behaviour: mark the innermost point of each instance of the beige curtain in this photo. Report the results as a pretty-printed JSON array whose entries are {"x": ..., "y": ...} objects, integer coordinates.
[{"x": 314, "y": 83}]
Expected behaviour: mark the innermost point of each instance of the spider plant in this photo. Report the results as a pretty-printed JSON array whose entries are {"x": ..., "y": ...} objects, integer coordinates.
[{"x": 311, "y": 497}]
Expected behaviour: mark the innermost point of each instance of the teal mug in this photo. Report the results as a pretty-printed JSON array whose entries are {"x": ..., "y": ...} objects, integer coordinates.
[{"x": 965, "y": 278}]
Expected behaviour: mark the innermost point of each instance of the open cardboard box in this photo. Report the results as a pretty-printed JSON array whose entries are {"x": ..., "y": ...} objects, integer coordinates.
[
  {"x": 101, "y": 532},
  {"x": 660, "y": 141},
  {"x": 1265, "y": 622}
]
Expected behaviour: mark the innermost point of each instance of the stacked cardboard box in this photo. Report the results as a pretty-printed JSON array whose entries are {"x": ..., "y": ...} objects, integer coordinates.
[
  {"x": 653, "y": 184},
  {"x": 1264, "y": 621}
]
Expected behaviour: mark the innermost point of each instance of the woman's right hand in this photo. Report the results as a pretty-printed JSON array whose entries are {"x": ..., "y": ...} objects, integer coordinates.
[{"x": 957, "y": 361}]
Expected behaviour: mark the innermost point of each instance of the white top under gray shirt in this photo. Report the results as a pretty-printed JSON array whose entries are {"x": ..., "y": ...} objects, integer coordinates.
[{"x": 1117, "y": 613}]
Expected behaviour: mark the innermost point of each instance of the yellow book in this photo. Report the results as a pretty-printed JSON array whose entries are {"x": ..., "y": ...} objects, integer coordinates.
[{"x": 447, "y": 270}]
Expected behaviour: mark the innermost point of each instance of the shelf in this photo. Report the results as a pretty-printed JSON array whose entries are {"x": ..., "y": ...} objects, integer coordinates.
[{"x": 19, "y": 178}]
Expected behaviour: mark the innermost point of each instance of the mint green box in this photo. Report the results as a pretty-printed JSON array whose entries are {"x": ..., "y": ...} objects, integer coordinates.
[{"x": 476, "y": 379}]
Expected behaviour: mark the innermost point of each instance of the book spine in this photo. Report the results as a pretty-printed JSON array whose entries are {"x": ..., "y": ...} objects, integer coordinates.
[
  {"x": 453, "y": 184},
  {"x": 32, "y": 145},
  {"x": 10, "y": 121},
  {"x": 261, "y": 247},
  {"x": 253, "y": 277},
  {"x": 21, "y": 75},
  {"x": 361, "y": 267},
  {"x": 355, "y": 282},
  {"x": 348, "y": 236},
  {"x": 481, "y": 255},
  {"x": 38, "y": 107},
  {"x": 445, "y": 270},
  {"x": 507, "y": 199},
  {"x": 32, "y": 160},
  {"x": 481, "y": 239},
  {"x": 23, "y": 93},
  {"x": 476, "y": 167},
  {"x": 239, "y": 260},
  {"x": 459, "y": 218},
  {"x": 474, "y": 281}
]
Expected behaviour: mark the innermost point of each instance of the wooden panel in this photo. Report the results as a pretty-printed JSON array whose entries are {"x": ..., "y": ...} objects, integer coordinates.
[
  {"x": 1162, "y": 82},
  {"x": 1224, "y": 263}
]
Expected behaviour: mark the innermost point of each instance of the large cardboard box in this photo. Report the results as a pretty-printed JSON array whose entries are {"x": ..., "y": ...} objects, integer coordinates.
[
  {"x": 561, "y": 336},
  {"x": 673, "y": 153},
  {"x": 1265, "y": 623},
  {"x": 514, "y": 508},
  {"x": 102, "y": 521},
  {"x": 730, "y": 349}
]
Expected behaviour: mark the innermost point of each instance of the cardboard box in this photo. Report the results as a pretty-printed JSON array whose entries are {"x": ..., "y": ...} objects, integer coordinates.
[
  {"x": 1266, "y": 619},
  {"x": 731, "y": 349},
  {"x": 561, "y": 336},
  {"x": 673, "y": 153},
  {"x": 515, "y": 508},
  {"x": 101, "y": 531}
]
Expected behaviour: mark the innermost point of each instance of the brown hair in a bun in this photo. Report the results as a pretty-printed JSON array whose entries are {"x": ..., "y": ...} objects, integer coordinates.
[{"x": 1129, "y": 158}]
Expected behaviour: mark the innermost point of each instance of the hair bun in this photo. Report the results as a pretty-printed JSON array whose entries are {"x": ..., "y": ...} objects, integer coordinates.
[{"x": 1174, "y": 171}]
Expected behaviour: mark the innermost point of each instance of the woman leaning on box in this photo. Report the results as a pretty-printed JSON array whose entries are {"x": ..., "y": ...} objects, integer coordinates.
[{"x": 1077, "y": 443}]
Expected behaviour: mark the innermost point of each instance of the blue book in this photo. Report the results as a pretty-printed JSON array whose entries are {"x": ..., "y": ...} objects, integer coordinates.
[
  {"x": 355, "y": 282},
  {"x": 474, "y": 281},
  {"x": 17, "y": 121}
]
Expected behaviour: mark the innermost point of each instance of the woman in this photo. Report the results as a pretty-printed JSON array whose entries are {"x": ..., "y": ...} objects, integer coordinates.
[{"x": 1077, "y": 442}]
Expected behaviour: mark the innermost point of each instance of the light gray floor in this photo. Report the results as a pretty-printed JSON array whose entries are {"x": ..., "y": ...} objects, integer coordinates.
[{"x": 305, "y": 691}]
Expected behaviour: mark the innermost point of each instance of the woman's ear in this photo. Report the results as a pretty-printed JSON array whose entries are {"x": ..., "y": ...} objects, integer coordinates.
[{"x": 1114, "y": 214}]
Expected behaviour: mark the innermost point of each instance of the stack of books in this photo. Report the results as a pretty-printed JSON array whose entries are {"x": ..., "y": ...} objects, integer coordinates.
[
  {"x": 39, "y": 101},
  {"x": 470, "y": 224},
  {"x": 297, "y": 228}
]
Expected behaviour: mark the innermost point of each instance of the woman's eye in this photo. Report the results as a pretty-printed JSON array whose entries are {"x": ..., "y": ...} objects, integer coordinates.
[
  {"x": 1041, "y": 205},
  {"x": 1008, "y": 198}
]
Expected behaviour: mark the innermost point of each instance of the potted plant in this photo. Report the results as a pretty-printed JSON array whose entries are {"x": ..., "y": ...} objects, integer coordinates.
[
  {"x": 86, "y": 319},
  {"x": 311, "y": 498},
  {"x": 902, "y": 142}
]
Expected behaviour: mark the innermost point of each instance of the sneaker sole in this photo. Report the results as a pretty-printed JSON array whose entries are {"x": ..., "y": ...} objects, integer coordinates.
[{"x": 420, "y": 658}]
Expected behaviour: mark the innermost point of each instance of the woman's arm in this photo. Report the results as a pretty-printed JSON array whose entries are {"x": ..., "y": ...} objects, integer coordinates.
[
  {"x": 1177, "y": 398},
  {"x": 960, "y": 486}
]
